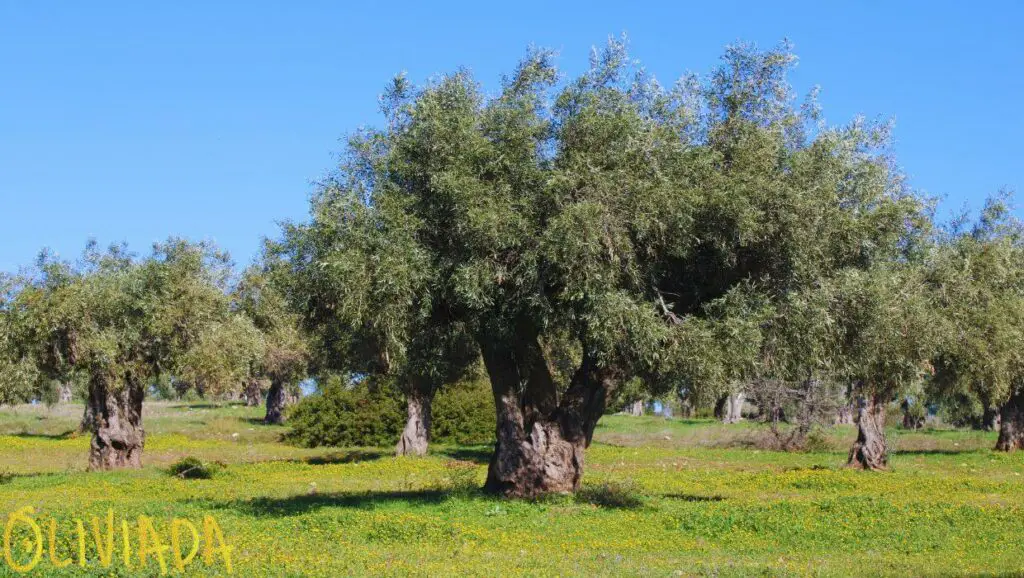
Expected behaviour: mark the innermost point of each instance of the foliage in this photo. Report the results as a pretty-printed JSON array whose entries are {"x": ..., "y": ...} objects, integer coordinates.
[
  {"x": 191, "y": 468},
  {"x": 341, "y": 415},
  {"x": 463, "y": 413},
  {"x": 372, "y": 414}
]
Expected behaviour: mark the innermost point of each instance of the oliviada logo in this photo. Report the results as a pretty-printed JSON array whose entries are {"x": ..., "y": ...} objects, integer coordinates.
[{"x": 136, "y": 545}]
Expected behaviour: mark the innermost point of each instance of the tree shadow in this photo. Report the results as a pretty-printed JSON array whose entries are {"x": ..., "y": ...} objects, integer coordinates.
[
  {"x": 255, "y": 421},
  {"x": 348, "y": 457},
  {"x": 938, "y": 452},
  {"x": 68, "y": 434},
  {"x": 479, "y": 455},
  {"x": 304, "y": 503},
  {"x": 693, "y": 498},
  {"x": 206, "y": 405}
]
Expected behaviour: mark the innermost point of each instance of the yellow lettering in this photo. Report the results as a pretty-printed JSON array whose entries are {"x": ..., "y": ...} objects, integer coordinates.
[
  {"x": 22, "y": 516},
  {"x": 146, "y": 533},
  {"x": 211, "y": 532},
  {"x": 80, "y": 527},
  {"x": 176, "y": 525},
  {"x": 127, "y": 545},
  {"x": 53, "y": 547},
  {"x": 106, "y": 554}
]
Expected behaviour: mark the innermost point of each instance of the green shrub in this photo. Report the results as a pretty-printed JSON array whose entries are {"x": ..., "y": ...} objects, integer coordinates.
[
  {"x": 362, "y": 416},
  {"x": 192, "y": 469},
  {"x": 347, "y": 416},
  {"x": 463, "y": 414}
]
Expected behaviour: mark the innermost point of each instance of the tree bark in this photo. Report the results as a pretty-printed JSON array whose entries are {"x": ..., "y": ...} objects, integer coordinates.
[
  {"x": 990, "y": 419},
  {"x": 732, "y": 408},
  {"x": 275, "y": 403},
  {"x": 637, "y": 408},
  {"x": 416, "y": 436},
  {"x": 116, "y": 423},
  {"x": 541, "y": 442},
  {"x": 253, "y": 393},
  {"x": 869, "y": 452},
  {"x": 1011, "y": 426}
]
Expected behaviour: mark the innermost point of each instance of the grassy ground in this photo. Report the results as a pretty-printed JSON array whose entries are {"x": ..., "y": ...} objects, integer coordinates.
[{"x": 661, "y": 498}]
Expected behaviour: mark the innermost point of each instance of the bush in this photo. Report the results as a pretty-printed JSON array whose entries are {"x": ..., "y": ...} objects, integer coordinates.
[
  {"x": 463, "y": 414},
  {"x": 347, "y": 416},
  {"x": 192, "y": 469},
  {"x": 374, "y": 417}
]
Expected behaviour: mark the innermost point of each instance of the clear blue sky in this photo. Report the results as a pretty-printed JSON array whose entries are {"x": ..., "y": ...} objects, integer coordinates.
[{"x": 132, "y": 121}]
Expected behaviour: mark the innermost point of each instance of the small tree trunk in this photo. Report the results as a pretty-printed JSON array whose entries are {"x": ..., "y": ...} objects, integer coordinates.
[
  {"x": 416, "y": 436},
  {"x": 65, "y": 393},
  {"x": 118, "y": 437},
  {"x": 730, "y": 408},
  {"x": 990, "y": 419},
  {"x": 845, "y": 415},
  {"x": 252, "y": 393},
  {"x": 868, "y": 452},
  {"x": 1011, "y": 426},
  {"x": 275, "y": 404}
]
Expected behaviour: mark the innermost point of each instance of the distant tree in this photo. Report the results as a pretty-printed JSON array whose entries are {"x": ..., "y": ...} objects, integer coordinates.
[
  {"x": 978, "y": 276},
  {"x": 121, "y": 322},
  {"x": 283, "y": 358}
]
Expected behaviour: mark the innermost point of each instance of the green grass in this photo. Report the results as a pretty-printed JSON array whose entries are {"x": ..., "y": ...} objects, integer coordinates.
[{"x": 668, "y": 498}]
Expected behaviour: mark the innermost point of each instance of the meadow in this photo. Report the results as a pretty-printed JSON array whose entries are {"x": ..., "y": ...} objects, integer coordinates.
[{"x": 660, "y": 498}]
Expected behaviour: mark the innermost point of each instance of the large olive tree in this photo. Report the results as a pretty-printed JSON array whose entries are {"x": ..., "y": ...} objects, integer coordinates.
[{"x": 580, "y": 234}]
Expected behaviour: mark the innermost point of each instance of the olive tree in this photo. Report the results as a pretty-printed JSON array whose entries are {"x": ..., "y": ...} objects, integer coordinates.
[
  {"x": 121, "y": 321},
  {"x": 580, "y": 233},
  {"x": 978, "y": 278}
]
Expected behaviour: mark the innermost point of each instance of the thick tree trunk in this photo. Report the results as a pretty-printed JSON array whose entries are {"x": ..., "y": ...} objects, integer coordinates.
[
  {"x": 541, "y": 442},
  {"x": 869, "y": 452},
  {"x": 253, "y": 393},
  {"x": 116, "y": 425},
  {"x": 1011, "y": 426},
  {"x": 416, "y": 435},
  {"x": 275, "y": 404},
  {"x": 637, "y": 408}
]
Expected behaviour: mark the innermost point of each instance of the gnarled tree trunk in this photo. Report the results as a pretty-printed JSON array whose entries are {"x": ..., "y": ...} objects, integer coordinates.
[
  {"x": 416, "y": 436},
  {"x": 116, "y": 425},
  {"x": 1011, "y": 426},
  {"x": 253, "y": 393},
  {"x": 844, "y": 416},
  {"x": 275, "y": 403},
  {"x": 869, "y": 452},
  {"x": 541, "y": 441}
]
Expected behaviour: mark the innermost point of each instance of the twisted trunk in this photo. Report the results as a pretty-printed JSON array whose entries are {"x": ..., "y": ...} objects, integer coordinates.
[
  {"x": 115, "y": 415},
  {"x": 844, "y": 416},
  {"x": 1011, "y": 426},
  {"x": 275, "y": 403},
  {"x": 868, "y": 452},
  {"x": 253, "y": 393},
  {"x": 541, "y": 442},
  {"x": 730, "y": 408},
  {"x": 416, "y": 436}
]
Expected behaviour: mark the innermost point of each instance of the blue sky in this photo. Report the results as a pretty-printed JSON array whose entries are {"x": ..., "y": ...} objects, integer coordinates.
[{"x": 132, "y": 121}]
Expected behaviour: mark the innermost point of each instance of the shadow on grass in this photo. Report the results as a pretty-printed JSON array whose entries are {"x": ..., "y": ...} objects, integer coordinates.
[
  {"x": 480, "y": 455},
  {"x": 302, "y": 504},
  {"x": 693, "y": 498},
  {"x": 939, "y": 452},
  {"x": 207, "y": 405},
  {"x": 61, "y": 436},
  {"x": 348, "y": 457}
]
